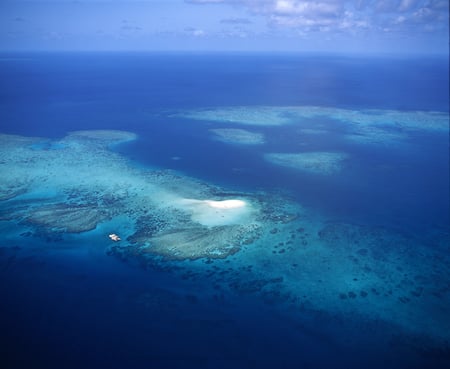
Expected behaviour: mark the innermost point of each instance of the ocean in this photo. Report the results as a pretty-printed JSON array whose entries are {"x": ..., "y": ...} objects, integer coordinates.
[{"x": 274, "y": 211}]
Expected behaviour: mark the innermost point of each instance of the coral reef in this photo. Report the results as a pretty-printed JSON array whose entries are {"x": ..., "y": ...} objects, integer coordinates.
[
  {"x": 238, "y": 136},
  {"x": 68, "y": 218},
  {"x": 314, "y": 162}
]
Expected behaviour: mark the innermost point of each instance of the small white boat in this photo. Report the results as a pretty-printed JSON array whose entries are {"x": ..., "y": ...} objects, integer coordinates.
[{"x": 114, "y": 237}]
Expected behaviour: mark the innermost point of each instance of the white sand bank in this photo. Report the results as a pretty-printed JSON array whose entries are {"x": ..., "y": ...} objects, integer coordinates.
[{"x": 216, "y": 213}]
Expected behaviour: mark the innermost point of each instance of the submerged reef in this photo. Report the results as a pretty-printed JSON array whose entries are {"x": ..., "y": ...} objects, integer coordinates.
[
  {"x": 374, "y": 126},
  {"x": 238, "y": 136},
  {"x": 257, "y": 243},
  {"x": 314, "y": 162},
  {"x": 201, "y": 242},
  {"x": 66, "y": 217},
  {"x": 255, "y": 116},
  {"x": 104, "y": 137},
  {"x": 81, "y": 185}
]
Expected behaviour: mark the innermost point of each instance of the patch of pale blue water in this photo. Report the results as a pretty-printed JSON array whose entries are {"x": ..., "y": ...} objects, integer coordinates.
[{"x": 48, "y": 145}]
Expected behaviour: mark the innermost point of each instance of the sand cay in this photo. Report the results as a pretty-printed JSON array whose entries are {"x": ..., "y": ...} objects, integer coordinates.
[
  {"x": 226, "y": 204},
  {"x": 217, "y": 213}
]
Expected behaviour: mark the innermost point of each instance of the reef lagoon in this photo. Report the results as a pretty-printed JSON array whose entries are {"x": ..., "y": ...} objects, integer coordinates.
[{"x": 224, "y": 211}]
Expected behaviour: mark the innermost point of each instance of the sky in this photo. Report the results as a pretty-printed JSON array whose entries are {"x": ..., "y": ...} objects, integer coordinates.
[{"x": 358, "y": 26}]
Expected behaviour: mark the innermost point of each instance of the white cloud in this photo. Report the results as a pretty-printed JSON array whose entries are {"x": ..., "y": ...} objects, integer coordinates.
[
  {"x": 352, "y": 22},
  {"x": 386, "y": 6},
  {"x": 429, "y": 16},
  {"x": 348, "y": 15},
  {"x": 423, "y": 14},
  {"x": 306, "y": 8},
  {"x": 326, "y": 16},
  {"x": 325, "y": 19},
  {"x": 406, "y": 5},
  {"x": 206, "y": 1},
  {"x": 196, "y": 32},
  {"x": 241, "y": 21},
  {"x": 400, "y": 19}
]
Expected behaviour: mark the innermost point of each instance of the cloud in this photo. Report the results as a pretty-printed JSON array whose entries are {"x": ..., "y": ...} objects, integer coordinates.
[
  {"x": 208, "y": 1},
  {"x": 129, "y": 26},
  {"x": 196, "y": 32},
  {"x": 429, "y": 16},
  {"x": 306, "y": 8},
  {"x": 385, "y": 6},
  {"x": 236, "y": 21},
  {"x": 324, "y": 16},
  {"x": 406, "y": 5},
  {"x": 352, "y": 16}
]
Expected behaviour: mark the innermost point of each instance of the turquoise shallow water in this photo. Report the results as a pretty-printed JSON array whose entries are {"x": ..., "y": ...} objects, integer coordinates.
[{"x": 338, "y": 259}]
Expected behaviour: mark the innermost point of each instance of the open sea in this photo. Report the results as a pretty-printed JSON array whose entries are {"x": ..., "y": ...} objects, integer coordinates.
[{"x": 371, "y": 288}]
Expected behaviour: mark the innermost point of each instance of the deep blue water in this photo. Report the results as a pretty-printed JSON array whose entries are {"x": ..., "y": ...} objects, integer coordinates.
[
  {"x": 57, "y": 311},
  {"x": 49, "y": 95}
]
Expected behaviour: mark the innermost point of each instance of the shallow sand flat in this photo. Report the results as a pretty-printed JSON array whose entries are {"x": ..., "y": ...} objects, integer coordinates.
[
  {"x": 238, "y": 136},
  {"x": 314, "y": 162}
]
